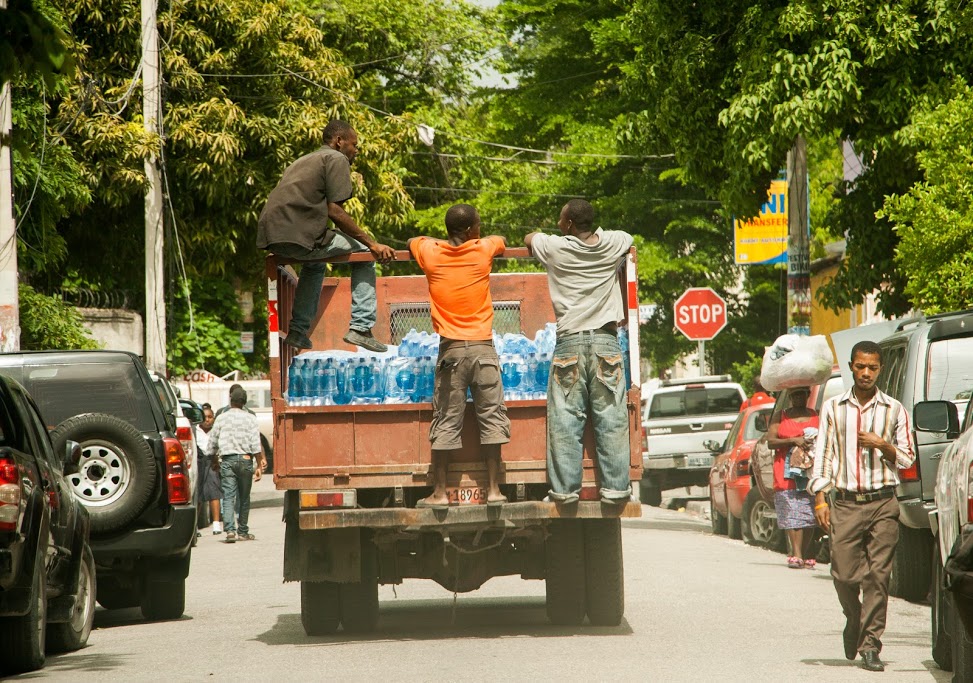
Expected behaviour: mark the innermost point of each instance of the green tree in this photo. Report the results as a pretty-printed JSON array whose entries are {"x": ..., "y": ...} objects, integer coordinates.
[{"x": 46, "y": 323}]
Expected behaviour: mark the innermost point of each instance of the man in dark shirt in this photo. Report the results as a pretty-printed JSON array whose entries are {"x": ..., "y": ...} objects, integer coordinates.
[{"x": 295, "y": 224}]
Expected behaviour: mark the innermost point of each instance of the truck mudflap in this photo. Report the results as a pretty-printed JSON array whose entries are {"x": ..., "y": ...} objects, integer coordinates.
[{"x": 518, "y": 514}]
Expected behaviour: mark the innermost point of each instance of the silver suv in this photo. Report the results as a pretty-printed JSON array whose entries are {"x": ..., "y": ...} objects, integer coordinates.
[{"x": 678, "y": 416}]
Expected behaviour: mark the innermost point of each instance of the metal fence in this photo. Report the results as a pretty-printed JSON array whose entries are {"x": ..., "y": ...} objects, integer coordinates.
[{"x": 416, "y": 316}]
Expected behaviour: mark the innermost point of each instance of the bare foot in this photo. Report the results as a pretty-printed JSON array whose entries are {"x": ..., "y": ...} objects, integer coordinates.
[
  {"x": 433, "y": 501},
  {"x": 496, "y": 498}
]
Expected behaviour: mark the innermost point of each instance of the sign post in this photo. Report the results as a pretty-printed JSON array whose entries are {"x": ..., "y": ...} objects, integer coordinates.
[{"x": 700, "y": 314}]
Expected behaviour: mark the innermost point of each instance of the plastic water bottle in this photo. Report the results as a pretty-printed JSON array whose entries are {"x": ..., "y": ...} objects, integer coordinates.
[
  {"x": 313, "y": 390},
  {"x": 427, "y": 381},
  {"x": 543, "y": 373},
  {"x": 307, "y": 382},
  {"x": 623, "y": 343},
  {"x": 530, "y": 378},
  {"x": 510, "y": 376},
  {"x": 295, "y": 382},
  {"x": 342, "y": 393},
  {"x": 328, "y": 383},
  {"x": 376, "y": 368}
]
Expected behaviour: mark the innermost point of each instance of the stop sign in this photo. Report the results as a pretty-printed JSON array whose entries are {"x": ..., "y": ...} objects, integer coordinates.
[{"x": 700, "y": 313}]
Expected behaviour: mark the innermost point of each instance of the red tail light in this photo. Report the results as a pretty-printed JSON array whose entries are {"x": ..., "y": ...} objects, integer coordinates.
[
  {"x": 176, "y": 478},
  {"x": 185, "y": 436},
  {"x": 10, "y": 495},
  {"x": 910, "y": 474}
]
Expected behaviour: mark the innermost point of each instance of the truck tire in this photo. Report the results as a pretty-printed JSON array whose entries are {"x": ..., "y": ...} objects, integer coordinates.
[
  {"x": 941, "y": 641},
  {"x": 73, "y": 634},
  {"x": 320, "y": 607},
  {"x": 359, "y": 601},
  {"x": 604, "y": 573},
  {"x": 733, "y": 526},
  {"x": 564, "y": 560},
  {"x": 717, "y": 520},
  {"x": 163, "y": 599},
  {"x": 961, "y": 646},
  {"x": 911, "y": 566},
  {"x": 114, "y": 594},
  {"x": 24, "y": 637},
  {"x": 649, "y": 493},
  {"x": 755, "y": 527},
  {"x": 117, "y": 473}
]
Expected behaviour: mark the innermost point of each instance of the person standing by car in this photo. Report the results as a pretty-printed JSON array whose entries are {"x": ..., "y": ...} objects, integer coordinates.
[
  {"x": 587, "y": 370},
  {"x": 211, "y": 488},
  {"x": 458, "y": 271},
  {"x": 863, "y": 441},
  {"x": 294, "y": 224},
  {"x": 236, "y": 438},
  {"x": 794, "y": 505}
]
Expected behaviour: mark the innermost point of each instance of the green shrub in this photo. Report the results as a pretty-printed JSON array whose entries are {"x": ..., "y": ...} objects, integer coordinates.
[{"x": 47, "y": 323}]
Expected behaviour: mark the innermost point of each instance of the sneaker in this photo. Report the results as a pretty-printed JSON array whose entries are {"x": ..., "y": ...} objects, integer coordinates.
[
  {"x": 365, "y": 340},
  {"x": 246, "y": 537},
  {"x": 297, "y": 340},
  {"x": 230, "y": 537}
]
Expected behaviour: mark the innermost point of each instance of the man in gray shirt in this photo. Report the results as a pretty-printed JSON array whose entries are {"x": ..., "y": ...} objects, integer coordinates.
[
  {"x": 587, "y": 370},
  {"x": 294, "y": 224}
]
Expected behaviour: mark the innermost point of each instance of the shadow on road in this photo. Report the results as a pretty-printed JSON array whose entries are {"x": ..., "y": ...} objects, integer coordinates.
[
  {"x": 112, "y": 618},
  {"x": 404, "y": 620},
  {"x": 931, "y": 668},
  {"x": 77, "y": 661}
]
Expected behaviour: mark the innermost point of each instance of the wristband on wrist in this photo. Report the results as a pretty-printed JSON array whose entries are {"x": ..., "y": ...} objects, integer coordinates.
[{"x": 820, "y": 505}]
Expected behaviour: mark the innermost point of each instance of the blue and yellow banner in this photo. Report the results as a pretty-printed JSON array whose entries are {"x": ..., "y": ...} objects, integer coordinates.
[{"x": 764, "y": 238}]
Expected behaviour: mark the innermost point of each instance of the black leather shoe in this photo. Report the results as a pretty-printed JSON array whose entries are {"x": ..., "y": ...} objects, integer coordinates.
[
  {"x": 850, "y": 638},
  {"x": 871, "y": 662}
]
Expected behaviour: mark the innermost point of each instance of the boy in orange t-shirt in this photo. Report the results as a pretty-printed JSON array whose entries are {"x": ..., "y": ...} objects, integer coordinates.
[{"x": 458, "y": 271}]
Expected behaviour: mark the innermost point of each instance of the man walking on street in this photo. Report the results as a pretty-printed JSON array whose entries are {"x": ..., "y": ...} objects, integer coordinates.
[
  {"x": 236, "y": 438},
  {"x": 294, "y": 224},
  {"x": 587, "y": 370},
  {"x": 458, "y": 271},
  {"x": 864, "y": 439}
]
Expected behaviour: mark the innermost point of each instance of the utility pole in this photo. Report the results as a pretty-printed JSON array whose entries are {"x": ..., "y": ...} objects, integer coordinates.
[
  {"x": 9, "y": 295},
  {"x": 155, "y": 305},
  {"x": 798, "y": 241}
]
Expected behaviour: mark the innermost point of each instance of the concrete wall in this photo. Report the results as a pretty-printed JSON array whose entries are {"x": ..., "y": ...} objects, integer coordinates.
[{"x": 115, "y": 328}]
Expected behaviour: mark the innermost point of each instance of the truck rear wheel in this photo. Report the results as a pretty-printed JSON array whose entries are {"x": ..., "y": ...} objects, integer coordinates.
[
  {"x": 942, "y": 652},
  {"x": 604, "y": 574},
  {"x": 24, "y": 637},
  {"x": 650, "y": 493},
  {"x": 911, "y": 567},
  {"x": 565, "y": 570},
  {"x": 359, "y": 601},
  {"x": 717, "y": 521},
  {"x": 320, "y": 607},
  {"x": 73, "y": 634}
]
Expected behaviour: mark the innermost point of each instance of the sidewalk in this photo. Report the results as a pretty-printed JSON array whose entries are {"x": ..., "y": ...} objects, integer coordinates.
[{"x": 264, "y": 495}]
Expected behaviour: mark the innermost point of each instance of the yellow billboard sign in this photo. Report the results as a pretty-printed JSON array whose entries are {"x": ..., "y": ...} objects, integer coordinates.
[{"x": 764, "y": 238}]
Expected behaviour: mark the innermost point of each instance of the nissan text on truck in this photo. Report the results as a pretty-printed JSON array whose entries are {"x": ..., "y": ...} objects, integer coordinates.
[{"x": 353, "y": 473}]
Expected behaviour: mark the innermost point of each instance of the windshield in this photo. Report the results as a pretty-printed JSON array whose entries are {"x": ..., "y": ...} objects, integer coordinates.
[
  {"x": 949, "y": 372},
  {"x": 696, "y": 401}
]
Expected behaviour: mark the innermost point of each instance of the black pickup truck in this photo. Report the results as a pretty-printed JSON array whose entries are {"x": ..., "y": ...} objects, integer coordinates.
[
  {"x": 47, "y": 573},
  {"x": 132, "y": 475}
]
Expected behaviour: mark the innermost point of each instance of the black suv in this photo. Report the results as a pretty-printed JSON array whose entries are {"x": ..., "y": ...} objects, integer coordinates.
[
  {"x": 47, "y": 573},
  {"x": 925, "y": 359},
  {"x": 132, "y": 474}
]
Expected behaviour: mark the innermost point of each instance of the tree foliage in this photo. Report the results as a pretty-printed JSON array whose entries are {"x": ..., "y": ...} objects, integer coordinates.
[{"x": 46, "y": 322}]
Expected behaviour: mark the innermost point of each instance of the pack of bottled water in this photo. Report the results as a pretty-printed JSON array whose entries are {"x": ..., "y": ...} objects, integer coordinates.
[{"x": 406, "y": 373}]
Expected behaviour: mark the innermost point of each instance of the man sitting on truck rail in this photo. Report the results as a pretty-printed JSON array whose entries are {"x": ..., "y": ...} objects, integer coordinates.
[
  {"x": 587, "y": 370},
  {"x": 294, "y": 224},
  {"x": 458, "y": 271}
]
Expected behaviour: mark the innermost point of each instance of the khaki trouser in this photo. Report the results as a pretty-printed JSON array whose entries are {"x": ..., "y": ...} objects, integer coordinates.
[{"x": 863, "y": 538}]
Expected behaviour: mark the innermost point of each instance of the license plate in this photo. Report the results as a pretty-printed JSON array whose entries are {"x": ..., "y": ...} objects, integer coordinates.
[
  {"x": 700, "y": 461},
  {"x": 466, "y": 495}
]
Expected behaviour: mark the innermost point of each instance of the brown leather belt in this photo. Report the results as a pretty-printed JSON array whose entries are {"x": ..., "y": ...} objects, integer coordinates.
[{"x": 866, "y": 497}]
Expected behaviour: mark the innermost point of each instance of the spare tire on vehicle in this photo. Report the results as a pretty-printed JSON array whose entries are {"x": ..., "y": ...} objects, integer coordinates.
[{"x": 117, "y": 472}]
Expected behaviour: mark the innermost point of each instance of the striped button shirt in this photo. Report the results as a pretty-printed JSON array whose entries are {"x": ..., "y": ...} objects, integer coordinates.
[
  {"x": 234, "y": 432},
  {"x": 838, "y": 459}
]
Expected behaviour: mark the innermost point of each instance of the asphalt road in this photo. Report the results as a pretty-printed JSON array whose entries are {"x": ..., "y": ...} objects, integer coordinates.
[{"x": 698, "y": 608}]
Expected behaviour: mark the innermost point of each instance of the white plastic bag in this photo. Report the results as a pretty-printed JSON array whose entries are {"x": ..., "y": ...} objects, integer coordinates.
[{"x": 795, "y": 361}]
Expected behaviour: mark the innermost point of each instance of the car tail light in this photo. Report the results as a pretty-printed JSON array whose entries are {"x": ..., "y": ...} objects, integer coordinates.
[
  {"x": 185, "y": 436},
  {"x": 316, "y": 500},
  {"x": 177, "y": 480},
  {"x": 743, "y": 468},
  {"x": 10, "y": 495},
  {"x": 910, "y": 474}
]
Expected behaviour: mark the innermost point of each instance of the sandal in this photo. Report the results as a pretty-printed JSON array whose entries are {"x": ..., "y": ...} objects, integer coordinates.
[
  {"x": 795, "y": 562},
  {"x": 810, "y": 564}
]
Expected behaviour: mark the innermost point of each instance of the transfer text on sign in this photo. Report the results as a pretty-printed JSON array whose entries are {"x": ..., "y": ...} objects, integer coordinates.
[{"x": 700, "y": 313}]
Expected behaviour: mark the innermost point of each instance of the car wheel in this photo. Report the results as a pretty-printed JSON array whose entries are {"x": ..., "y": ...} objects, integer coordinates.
[
  {"x": 733, "y": 525},
  {"x": 650, "y": 494},
  {"x": 604, "y": 575},
  {"x": 757, "y": 524},
  {"x": 24, "y": 637},
  {"x": 717, "y": 520},
  {"x": 359, "y": 601},
  {"x": 320, "y": 607},
  {"x": 117, "y": 473},
  {"x": 961, "y": 646},
  {"x": 73, "y": 634},
  {"x": 941, "y": 640},
  {"x": 911, "y": 567},
  {"x": 565, "y": 572},
  {"x": 164, "y": 599}
]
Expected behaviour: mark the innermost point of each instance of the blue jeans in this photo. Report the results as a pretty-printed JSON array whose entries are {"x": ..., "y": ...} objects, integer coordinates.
[
  {"x": 587, "y": 379},
  {"x": 308, "y": 294},
  {"x": 236, "y": 473}
]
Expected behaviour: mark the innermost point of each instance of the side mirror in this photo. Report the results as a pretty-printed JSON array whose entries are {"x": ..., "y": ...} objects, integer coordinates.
[
  {"x": 937, "y": 417},
  {"x": 762, "y": 422},
  {"x": 712, "y": 445},
  {"x": 72, "y": 456},
  {"x": 194, "y": 414}
]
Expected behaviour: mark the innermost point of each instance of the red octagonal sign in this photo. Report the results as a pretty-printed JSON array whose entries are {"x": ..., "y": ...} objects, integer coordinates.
[{"x": 700, "y": 313}]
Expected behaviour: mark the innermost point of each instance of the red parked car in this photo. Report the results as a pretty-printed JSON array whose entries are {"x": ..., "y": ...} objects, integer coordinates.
[{"x": 729, "y": 478}]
